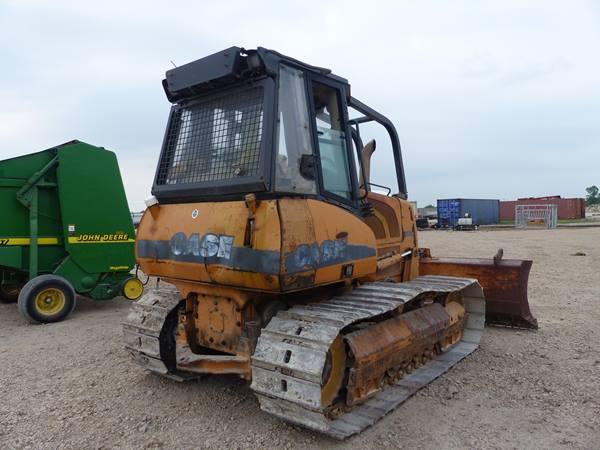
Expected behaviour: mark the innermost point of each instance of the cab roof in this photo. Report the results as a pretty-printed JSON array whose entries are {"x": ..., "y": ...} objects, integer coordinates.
[{"x": 230, "y": 66}]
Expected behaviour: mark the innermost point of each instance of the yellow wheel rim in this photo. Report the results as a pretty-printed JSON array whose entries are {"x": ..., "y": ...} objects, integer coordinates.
[
  {"x": 50, "y": 301},
  {"x": 133, "y": 289},
  {"x": 335, "y": 377}
]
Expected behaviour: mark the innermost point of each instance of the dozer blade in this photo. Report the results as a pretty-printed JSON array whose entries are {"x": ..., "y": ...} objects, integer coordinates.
[{"x": 504, "y": 283}]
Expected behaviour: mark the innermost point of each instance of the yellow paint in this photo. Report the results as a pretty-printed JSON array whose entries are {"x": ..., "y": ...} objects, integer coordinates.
[
  {"x": 297, "y": 228},
  {"x": 282, "y": 226},
  {"x": 221, "y": 298},
  {"x": 101, "y": 239},
  {"x": 27, "y": 241},
  {"x": 333, "y": 384},
  {"x": 397, "y": 245},
  {"x": 384, "y": 222},
  {"x": 50, "y": 301},
  {"x": 330, "y": 223},
  {"x": 133, "y": 289},
  {"x": 220, "y": 218},
  {"x": 267, "y": 235}
]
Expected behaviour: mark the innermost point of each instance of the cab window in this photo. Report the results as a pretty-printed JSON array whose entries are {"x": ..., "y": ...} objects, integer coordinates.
[
  {"x": 295, "y": 148},
  {"x": 331, "y": 138}
]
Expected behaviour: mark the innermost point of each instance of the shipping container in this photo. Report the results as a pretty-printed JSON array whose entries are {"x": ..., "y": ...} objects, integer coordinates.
[
  {"x": 482, "y": 211},
  {"x": 568, "y": 208}
]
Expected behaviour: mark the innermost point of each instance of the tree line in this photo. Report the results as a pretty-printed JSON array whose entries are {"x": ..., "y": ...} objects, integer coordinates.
[{"x": 593, "y": 196}]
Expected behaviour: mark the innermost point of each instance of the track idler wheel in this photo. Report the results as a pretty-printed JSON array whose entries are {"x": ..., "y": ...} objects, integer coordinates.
[{"x": 333, "y": 375}]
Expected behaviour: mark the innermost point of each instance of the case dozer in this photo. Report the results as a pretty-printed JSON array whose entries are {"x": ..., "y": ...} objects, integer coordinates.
[{"x": 284, "y": 266}]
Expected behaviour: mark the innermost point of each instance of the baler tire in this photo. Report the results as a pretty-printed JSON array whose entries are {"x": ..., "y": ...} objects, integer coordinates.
[{"x": 59, "y": 303}]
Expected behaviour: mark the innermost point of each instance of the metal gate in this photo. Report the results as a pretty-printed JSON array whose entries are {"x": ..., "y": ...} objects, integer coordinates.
[{"x": 536, "y": 215}]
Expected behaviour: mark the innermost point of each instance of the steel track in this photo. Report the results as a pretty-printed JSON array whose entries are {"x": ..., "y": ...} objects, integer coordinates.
[
  {"x": 291, "y": 353},
  {"x": 302, "y": 336}
]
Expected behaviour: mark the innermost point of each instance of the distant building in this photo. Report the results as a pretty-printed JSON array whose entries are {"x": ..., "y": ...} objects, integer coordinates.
[{"x": 428, "y": 212}]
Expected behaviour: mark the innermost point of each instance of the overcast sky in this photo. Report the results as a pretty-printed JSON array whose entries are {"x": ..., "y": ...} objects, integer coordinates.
[{"x": 491, "y": 99}]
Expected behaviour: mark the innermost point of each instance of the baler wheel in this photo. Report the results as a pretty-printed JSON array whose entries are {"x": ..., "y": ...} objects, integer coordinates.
[
  {"x": 132, "y": 288},
  {"x": 46, "y": 299}
]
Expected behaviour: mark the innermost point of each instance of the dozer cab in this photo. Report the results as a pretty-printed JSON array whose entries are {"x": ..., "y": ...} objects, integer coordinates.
[{"x": 282, "y": 265}]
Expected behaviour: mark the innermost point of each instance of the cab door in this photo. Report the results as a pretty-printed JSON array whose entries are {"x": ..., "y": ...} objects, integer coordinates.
[{"x": 337, "y": 171}]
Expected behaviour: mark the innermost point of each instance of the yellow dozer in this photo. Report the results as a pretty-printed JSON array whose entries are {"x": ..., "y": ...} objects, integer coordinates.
[{"x": 280, "y": 264}]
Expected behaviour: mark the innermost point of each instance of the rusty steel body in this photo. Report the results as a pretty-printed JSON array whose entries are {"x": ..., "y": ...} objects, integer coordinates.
[{"x": 383, "y": 349}]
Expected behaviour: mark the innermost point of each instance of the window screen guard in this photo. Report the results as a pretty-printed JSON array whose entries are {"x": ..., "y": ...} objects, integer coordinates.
[{"x": 215, "y": 139}]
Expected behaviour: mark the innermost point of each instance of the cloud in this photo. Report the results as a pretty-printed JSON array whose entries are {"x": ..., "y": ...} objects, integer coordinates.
[{"x": 494, "y": 99}]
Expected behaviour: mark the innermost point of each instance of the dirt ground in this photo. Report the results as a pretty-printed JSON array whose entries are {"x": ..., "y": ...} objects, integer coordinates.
[{"x": 71, "y": 384}]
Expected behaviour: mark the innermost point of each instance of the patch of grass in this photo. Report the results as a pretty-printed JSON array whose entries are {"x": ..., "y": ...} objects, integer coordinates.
[
  {"x": 572, "y": 220},
  {"x": 565, "y": 221}
]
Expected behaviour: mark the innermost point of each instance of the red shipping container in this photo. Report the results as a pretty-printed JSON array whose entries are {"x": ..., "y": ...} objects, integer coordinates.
[{"x": 568, "y": 208}]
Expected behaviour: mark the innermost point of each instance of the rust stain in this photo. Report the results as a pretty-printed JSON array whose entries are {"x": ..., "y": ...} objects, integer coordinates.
[
  {"x": 384, "y": 351},
  {"x": 504, "y": 285},
  {"x": 298, "y": 280}
]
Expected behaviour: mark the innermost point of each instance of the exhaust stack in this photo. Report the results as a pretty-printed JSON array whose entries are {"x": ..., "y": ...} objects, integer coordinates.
[{"x": 366, "y": 154}]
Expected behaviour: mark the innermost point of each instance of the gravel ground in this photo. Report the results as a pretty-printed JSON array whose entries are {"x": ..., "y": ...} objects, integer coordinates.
[{"x": 71, "y": 384}]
